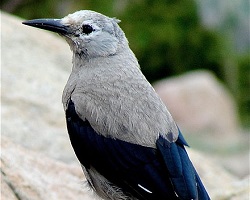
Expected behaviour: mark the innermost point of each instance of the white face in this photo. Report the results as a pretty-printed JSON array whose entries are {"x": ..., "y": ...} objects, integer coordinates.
[{"x": 93, "y": 34}]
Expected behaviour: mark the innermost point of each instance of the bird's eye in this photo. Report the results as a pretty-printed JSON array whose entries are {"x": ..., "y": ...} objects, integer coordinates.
[{"x": 87, "y": 29}]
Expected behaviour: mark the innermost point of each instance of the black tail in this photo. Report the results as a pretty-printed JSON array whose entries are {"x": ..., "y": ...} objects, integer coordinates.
[
  {"x": 202, "y": 193},
  {"x": 184, "y": 178}
]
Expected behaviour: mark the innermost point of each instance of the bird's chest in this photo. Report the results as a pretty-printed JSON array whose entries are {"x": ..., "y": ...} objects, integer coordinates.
[{"x": 117, "y": 105}]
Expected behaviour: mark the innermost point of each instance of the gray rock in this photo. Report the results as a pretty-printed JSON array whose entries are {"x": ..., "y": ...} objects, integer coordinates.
[
  {"x": 35, "y": 68},
  {"x": 27, "y": 175},
  {"x": 220, "y": 184},
  {"x": 200, "y": 103}
]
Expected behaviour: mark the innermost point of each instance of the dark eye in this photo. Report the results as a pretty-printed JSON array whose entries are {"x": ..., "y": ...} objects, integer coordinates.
[{"x": 87, "y": 29}]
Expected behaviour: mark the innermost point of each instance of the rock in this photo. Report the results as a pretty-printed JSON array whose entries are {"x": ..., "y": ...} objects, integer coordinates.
[
  {"x": 27, "y": 175},
  {"x": 7, "y": 192},
  {"x": 220, "y": 184},
  {"x": 35, "y": 67},
  {"x": 199, "y": 103}
]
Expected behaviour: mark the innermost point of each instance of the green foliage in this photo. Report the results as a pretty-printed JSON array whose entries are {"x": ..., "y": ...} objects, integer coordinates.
[
  {"x": 31, "y": 9},
  {"x": 168, "y": 38},
  {"x": 244, "y": 88}
]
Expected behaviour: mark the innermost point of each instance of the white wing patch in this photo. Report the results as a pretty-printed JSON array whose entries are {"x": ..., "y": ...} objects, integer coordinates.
[{"x": 145, "y": 189}]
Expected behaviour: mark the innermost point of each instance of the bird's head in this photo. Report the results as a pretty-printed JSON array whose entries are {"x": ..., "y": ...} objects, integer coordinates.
[{"x": 88, "y": 33}]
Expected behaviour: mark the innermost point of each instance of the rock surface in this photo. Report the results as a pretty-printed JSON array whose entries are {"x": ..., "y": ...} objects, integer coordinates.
[
  {"x": 35, "y": 67},
  {"x": 200, "y": 103},
  {"x": 27, "y": 175}
]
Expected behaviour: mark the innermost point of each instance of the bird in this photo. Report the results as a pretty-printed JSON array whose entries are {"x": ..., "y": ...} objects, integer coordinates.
[{"x": 126, "y": 140}]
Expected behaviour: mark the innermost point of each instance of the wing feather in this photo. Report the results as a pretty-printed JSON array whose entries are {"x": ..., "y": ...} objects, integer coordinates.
[{"x": 144, "y": 172}]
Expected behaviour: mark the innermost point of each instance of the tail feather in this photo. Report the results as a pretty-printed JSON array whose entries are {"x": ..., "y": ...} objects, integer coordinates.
[
  {"x": 202, "y": 193},
  {"x": 185, "y": 180}
]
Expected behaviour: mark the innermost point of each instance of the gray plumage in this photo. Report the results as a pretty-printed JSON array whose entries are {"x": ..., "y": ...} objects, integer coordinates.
[{"x": 107, "y": 90}]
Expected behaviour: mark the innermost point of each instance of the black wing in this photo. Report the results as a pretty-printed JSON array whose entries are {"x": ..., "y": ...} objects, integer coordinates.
[{"x": 143, "y": 172}]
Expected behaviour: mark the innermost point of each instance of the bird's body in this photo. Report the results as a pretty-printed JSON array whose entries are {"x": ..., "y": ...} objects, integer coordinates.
[
  {"x": 117, "y": 99},
  {"x": 122, "y": 133}
]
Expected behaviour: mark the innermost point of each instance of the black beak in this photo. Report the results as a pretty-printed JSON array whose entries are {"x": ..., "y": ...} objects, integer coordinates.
[{"x": 53, "y": 25}]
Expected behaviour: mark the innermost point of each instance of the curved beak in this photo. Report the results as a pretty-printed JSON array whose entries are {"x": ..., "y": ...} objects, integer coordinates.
[{"x": 54, "y": 25}]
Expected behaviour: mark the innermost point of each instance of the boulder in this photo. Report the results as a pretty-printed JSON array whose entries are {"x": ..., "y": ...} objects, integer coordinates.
[
  {"x": 35, "y": 67},
  {"x": 27, "y": 175},
  {"x": 220, "y": 184},
  {"x": 200, "y": 103}
]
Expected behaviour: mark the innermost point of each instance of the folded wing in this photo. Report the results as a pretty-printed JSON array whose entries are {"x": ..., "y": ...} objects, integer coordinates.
[{"x": 164, "y": 172}]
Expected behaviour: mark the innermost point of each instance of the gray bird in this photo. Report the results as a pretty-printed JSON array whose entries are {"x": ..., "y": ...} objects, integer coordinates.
[{"x": 122, "y": 133}]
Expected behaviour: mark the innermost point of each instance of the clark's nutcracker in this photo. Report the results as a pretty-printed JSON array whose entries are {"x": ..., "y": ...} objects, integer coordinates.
[{"x": 122, "y": 133}]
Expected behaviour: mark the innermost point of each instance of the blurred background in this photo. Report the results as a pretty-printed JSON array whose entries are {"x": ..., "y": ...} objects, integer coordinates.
[{"x": 170, "y": 37}]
